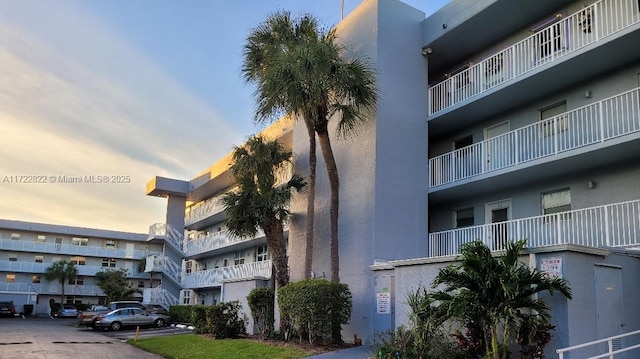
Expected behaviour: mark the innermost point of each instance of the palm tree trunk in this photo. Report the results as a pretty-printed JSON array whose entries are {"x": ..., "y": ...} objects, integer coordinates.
[
  {"x": 311, "y": 198},
  {"x": 62, "y": 288},
  {"x": 276, "y": 246},
  {"x": 334, "y": 183}
]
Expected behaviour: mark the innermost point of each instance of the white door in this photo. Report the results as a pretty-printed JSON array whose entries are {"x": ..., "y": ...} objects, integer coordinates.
[
  {"x": 129, "y": 250},
  {"x": 498, "y": 232},
  {"x": 498, "y": 148}
]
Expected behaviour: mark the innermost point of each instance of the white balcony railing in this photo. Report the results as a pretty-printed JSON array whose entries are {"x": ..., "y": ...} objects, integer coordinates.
[
  {"x": 613, "y": 225},
  {"x": 159, "y": 295},
  {"x": 595, "y": 123},
  {"x": 22, "y": 245},
  {"x": 214, "y": 277},
  {"x": 215, "y": 240},
  {"x": 587, "y": 26},
  {"x": 33, "y": 267},
  {"x": 169, "y": 234},
  {"x": 203, "y": 210},
  {"x": 164, "y": 264},
  {"x": 51, "y": 288}
]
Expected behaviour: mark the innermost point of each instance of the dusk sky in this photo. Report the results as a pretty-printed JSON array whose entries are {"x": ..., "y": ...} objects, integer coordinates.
[{"x": 124, "y": 90}]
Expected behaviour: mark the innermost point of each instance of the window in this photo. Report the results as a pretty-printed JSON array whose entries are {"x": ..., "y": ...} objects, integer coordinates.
[
  {"x": 109, "y": 262},
  {"x": 41, "y": 238},
  {"x": 238, "y": 258},
  {"x": 463, "y": 142},
  {"x": 262, "y": 253},
  {"x": 554, "y": 119},
  {"x": 36, "y": 278},
  {"x": 186, "y": 297},
  {"x": 80, "y": 261},
  {"x": 74, "y": 300},
  {"x": 188, "y": 266},
  {"x": 10, "y": 277},
  {"x": 39, "y": 259},
  {"x": 79, "y": 241},
  {"x": 557, "y": 202},
  {"x": 464, "y": 217},
  {"x": 102, "y": 301},
  {"x": 225, "y": 263},
  {"x": 110, "y": 243},
  {"x": 140, "y": 284},
  {"x": 13, "y": 257},
  {"x": 77, "y": 281},
  {"x": 15, "y": 236}
]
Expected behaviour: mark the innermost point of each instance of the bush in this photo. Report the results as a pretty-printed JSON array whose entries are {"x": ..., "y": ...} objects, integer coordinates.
[
  {"x": 261, "y": 301},
  {"x": 180, "y": 313},
  {"x": 315, "y": 306},
  {"x": 220, "y": 320}
]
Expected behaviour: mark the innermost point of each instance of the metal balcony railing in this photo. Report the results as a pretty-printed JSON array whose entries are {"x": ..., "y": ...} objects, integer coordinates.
[
  {"x": 51, "y": 288},
  {"x": 588, "y": 125},
  {"x": 33, "y": 267},
  {"x": 169, "y": 234},
  {"x": 159, "y": 295},
  {"x": 613, "y": 225},
  {"x": 22, "y": 245},
  {"x": 214, "y": 277},
  {"x": 203, "y": 210},
  {"x": 215, "y": 240},
  {"x": 616, "y": 346},
  {"x": 164, "y": 264},
  {"x": 565, "y": 36}
]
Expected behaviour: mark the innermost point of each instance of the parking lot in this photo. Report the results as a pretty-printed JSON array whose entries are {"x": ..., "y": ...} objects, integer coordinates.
[{"x": 34, "y": 337}]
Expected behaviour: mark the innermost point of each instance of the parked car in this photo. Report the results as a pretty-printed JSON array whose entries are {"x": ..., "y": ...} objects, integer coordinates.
[
  {"x": 128, "y": 317},
  {"x": 7, "y": 309},
  {"x": 86, "y": 318},
  {"x": 156, "y": 309},
  {"x": 68, "y": 310}
]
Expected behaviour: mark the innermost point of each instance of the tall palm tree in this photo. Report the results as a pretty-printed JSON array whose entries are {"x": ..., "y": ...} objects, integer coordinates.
[
  {"x": 300, "y": 69},
  {"x": 259, "y": 201},
  {"x": 491, "y": 293},
  {"x": 61, "y": 271}
]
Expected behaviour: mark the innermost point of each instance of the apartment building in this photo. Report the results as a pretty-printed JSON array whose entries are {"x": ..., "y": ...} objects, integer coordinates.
[
  {"x": 498, "y": 120},
  {"x": 27, "y": 249}
]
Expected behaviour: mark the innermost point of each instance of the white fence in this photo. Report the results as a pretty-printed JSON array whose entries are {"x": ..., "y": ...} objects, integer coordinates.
[
  {"x": 588, "y": 125},
  {"x": 613, "y": 225},
  {"x": 168, "y": 234},
  {"x": 203, "y": 210},
  {"x": 22, "y": 245},
  {"x": 164, "y": 264},
  {"x": 159, "y": 295},
  {"x": 562, "y": 37},
  {"x": 612, "y": 348}
]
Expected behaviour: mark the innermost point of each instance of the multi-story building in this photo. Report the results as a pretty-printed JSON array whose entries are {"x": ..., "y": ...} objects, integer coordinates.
[
  {"x": 498, "y": 120},
  {"x": 27, "y": 249}
]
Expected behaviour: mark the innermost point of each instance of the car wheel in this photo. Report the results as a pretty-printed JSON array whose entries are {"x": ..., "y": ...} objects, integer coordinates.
[
  {"x": 115, "y": 326},
  {"x": 159, "y": 322}
]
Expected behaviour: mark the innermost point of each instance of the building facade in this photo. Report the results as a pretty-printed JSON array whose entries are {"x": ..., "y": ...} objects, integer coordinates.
[
  {"x": 497, "y": 120},
  {"x": 28, "y": 249}
]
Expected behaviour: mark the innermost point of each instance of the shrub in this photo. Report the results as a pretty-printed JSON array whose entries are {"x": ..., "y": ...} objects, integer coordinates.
[
  {"x": 180, "y": 313},
  {"x": 315, "y": 306},
  {"x": 222, "y": 320},
  {"x": 261, "y": 302}
]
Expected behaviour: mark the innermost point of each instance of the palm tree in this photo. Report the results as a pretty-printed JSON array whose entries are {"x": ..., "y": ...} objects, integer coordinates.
[
  {"x": 62, "y": 271},
  {"x": 491, "y": 293},
  {"x": 299, "y": 69},
  {"x": 259, "y": 201}
]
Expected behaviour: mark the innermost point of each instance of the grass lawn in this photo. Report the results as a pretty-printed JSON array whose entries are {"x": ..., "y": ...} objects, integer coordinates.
[{"x": 192, "y": 346}]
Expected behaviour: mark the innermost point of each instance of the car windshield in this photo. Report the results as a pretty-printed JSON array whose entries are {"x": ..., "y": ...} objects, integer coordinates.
[{"x": 69, "y": 306}]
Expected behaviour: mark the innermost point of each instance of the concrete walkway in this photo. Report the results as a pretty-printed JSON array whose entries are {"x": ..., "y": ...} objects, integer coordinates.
[{"x": 363, "y": 352}]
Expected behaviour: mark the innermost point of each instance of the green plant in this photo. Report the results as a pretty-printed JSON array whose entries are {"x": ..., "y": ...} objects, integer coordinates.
[
  {"x": 533, "y": 336},
  {"x": 315, "y": 307},
  {"x": 261, "y": 301},
  {"x": 180, "y": 313},
  {"x": 222, "y": 320}
]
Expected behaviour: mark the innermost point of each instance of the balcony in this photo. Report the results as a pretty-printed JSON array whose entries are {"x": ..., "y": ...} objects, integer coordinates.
[
  {"x": 613, "y": 225},
  {"x": 159, "y": 295},
  {"x": 164, "y": 264},
  {"x": 33, "y": 267},
  {"x": 202, "y": 211},
  {"x": 568, "y": 37},
  {"x": 216, "y": 240},
  {"x": 68, "y": 249},
  {"x": 166, "y": 232},
  {"x": 215, "y": 277},
  {"x": 51, "y": 288},
  {"x": 589, "y": 127}
]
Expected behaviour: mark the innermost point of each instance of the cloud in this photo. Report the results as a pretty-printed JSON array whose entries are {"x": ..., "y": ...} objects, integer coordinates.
[{"x": 76, "y": 99}]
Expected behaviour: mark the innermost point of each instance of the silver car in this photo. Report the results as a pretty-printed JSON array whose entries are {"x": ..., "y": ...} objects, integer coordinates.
[
  {"x": 129, "y": 317},
  {"x": 68, "y": 310}
]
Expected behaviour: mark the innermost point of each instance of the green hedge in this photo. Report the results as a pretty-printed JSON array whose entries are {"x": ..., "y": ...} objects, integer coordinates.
[
  {"x": 180, "y": 313},
  {"x": 315, "y": 306},
  {"x": 261, "y": 302},
  {"x": 222, "y": 320}
]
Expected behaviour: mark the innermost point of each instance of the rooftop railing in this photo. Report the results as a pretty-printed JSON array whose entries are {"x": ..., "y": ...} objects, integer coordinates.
[{"x": 563, "y": 36}]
